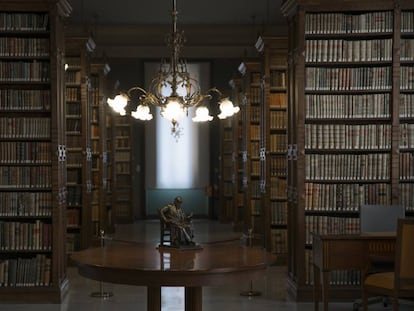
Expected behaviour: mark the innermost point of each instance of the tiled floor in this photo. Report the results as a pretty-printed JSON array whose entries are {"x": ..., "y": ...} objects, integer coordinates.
[{"x": 128, "y": 298}]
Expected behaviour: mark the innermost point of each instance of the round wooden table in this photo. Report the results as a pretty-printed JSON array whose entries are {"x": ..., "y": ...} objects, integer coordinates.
[{"x": 147, "y": 265}]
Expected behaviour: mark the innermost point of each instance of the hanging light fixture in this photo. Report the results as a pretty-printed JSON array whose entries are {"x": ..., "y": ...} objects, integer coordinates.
[{"x": 173, "y": 90}]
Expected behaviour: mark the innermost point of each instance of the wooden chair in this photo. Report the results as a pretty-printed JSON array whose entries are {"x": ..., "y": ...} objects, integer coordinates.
[{"x": 400, "y": 282}]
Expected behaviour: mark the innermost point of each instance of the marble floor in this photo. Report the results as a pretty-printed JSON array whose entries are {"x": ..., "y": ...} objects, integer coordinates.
[{"x": 272, "y": 288}]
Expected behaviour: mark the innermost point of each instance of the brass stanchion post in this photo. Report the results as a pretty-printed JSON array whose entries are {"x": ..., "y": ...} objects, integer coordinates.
[
  {"x": 250, "y": 292},
  {"x": 101, "y": 293}
]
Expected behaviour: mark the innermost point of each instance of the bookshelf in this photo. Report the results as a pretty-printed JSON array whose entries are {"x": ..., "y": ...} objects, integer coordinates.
[
  {"x": 100, "y": 189},
  {"x": 32, "y": 144},
  {"x": 252, "y": 85},
  {"x": 78, "y": 53},
  {"x": 273, "y": 145},
  {"x": 349, "y": 103},
  {"x": 122, "y": 169}
]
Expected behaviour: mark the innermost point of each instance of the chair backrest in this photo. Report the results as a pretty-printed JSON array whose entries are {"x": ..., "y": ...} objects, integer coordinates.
[
  {"x": 380, "y": 218},
  {"x": 404, "y": 260}
]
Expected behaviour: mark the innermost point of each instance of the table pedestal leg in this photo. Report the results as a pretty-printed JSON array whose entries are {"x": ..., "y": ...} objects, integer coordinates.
[
  {"x": 154, "y": 298},
  {"x": 193, "y": 299}
]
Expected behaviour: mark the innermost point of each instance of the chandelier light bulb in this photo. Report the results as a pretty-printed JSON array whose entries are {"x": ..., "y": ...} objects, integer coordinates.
[
  {"x": 142, "y": 113},
  {"x": 202, "y": 115},
  {"x": 118, "y": 104},
  {"x": 227, "y": 109},
  {"x": 173, "y": 111}
]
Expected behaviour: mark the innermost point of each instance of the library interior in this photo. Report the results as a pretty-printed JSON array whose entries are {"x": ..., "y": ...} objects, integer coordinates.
[{"x": 157, "y": 156}]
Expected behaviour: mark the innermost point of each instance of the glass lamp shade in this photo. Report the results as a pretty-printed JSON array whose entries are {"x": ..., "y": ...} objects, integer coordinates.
[
  {"x": 142, "y": 113},
  {"x": 202, "y": 115},
  {"x": 173, "y": 110},
  {"x": 227, "y": 109},
  {"x": 118, "y": 104}
]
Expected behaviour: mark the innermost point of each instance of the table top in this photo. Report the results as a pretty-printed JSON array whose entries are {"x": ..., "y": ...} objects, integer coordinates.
[{"x": 147, "y": 265}]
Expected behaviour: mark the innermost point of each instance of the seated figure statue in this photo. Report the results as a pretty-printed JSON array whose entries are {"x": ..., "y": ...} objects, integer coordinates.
[{"x": 181, "y": 226}]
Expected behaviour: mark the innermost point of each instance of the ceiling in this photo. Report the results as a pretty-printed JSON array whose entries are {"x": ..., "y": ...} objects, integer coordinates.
[
  {"x": 214, "y": 28},
  {"x": 238, "y": 12}
]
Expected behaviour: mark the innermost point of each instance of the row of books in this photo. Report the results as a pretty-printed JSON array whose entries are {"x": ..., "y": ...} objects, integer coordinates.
[
  {"x": 256, "y": 168},
  {"x": 22, "y": 99},
  {"x": 12, "y": 21},
  {"x": 73, "y": 126},
  {"x": 24, "y": 127},
  {"x": 227, "y": 188},
  {"x": 406, "y": 105},
  {"x": 35, "y": 71},
  {"x": 28, "y": 47},
  {"x": 20, "y": 272},
  {"x": 255, "y": 149},
  {"x": 407, "y": 166},
  {"x": 348, "y": 167},
  {"x": 122, "y": 142},
  {"x": 278, "y": 188},
  {"x": 22, "y": 152},
  {"x": 255, "y": 95},
  {"x": 407, "y": 21},
  {"x": 74, "y": 158},
  {"x": 74, "y": 109},
  {"x": 123, "y": 167},
  {"x": 278, "y": 212},
  {"x": 277, "y": 166},
  {"x": 346, "y": 136},
  {"x": 73, "y": 77},
  {"x": 278, "y": 78},
  {"x": 407, "y": 49},
  {"x": 72, "y": 94},
  {"x": 72, "y": 217},
  {"x": 25, "y": 176},
  {"x": 406, "y": 135},
  {"x": 406, "y": 78},
  {"x": 227, "y": 146},
  {"x": 255, "y": 114},
  {"x": 277, "y": 142},
  {"x": 278, "y": 100},
  {"x": 278, "y": 241},
  {"x": 255, "y": 132},
  {"x": 344, "y": 78},
  {"x": 336, "y": 277},
  {"x": 74, "y": 141},
  {"x": 74, "y": 195},
  {"x": 33, "y": 204},
  {"x": 330, "y": 225},
  {"x": 345, "y": 197},
  {"x": 407, "y": 196},
  {"x": 278, "y": 120},
  {"x": 341, "y": 23},
  {"x": 25, "y": 235},
  {"x": 122, "y": 156},
  {"x": 342, "y": 106},
  {"x": 339, "y": 50}
]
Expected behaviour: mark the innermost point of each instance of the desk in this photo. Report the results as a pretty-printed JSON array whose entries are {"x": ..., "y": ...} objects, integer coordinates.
[
  {"x": 346, "y": 252},
  {"x": 145, "y": 265}
]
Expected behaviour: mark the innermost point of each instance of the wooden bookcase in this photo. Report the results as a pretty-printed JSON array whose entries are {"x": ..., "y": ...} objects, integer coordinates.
[
  {"x": 78, "y": 52},
  {"x": 32, "y": 151},
  {"x": 273, "y": 142},
  {"x": 350, "y": 114},
  {"x": 252, "y": 85},
  {"x": 122, "y": 169},
  {"x": 101, "y": 190}
]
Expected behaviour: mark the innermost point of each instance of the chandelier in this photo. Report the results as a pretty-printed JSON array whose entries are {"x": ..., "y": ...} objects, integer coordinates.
[{"x": 173, "y": 90}]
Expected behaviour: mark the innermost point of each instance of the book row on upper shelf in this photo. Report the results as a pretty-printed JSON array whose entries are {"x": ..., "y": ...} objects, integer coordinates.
[
  {"x": 16, "y": 236},
  {"x": 348, "y": 78},
  {"x": 19, "y": 152},
  {"x": 346, "y": 136},
  {"x": 279, "y": 238},
  {"x": 278, "y": 212},
  {"x": 25, "y": 177},
  {"x": 21, "y": 99},
  {"x": 341, "y": 50},
  {"x": 348, "y": 167},
  {"x": 27, "y": 47},
  {"x": 24, "y": 127},
  {"x": 343, "y": 197},
  {"x": 346, "y": 23},
  {"x": 29, "y": 204},
  {"x": 24, "y": 21},
  {"x": 18, "y": 71},
  {"x": 26, "y": 272},
  {"x": 72, "y": 94}
]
